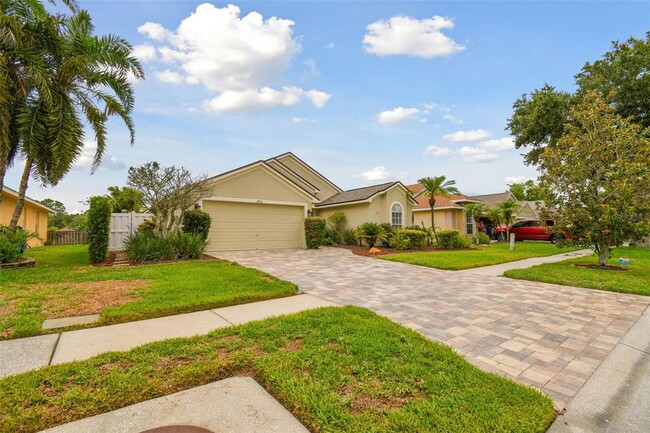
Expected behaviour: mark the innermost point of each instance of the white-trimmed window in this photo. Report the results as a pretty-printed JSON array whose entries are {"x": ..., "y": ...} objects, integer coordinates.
[
  {"x": 396, "y": 215},
  {"x": 469, "y": 224}
]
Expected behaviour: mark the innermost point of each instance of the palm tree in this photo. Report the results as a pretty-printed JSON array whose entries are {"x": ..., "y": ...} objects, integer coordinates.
[
  {"x": 474, "y": 211},
  {"x": 437, "y": 186},
  {"x": 508, "y": 210},
  {"x": 494, "y": 215},
  {"x": 88, "y": 79},
  {"x": 125, "y": 199}
]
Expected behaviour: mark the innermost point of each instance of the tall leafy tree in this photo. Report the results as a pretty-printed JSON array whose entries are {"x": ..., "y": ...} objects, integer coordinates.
[
  {"x": 597, "y": 178},
  {"x": 87, "y": 77},
  {"x": 622, "y": 77},
  {"x": 528, "y": 191},
  {"x": 508, "y": 210},
  {"x": 125, "y": 199},
  {"x": 434, "y": 187}
]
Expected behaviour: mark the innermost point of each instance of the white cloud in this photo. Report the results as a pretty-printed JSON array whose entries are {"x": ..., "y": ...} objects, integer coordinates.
[
  {"x": 453, "y": 119},
  {"x": 297, "y": 120},
  {"x": 375, "y": 173},
  {"x": 144, "y": 52},
  {"x": 476, "y": 154},
  {"x": 312, "y": 70},
  {"x": 85, "y": 160},
  {"x": 241, "y": 59},
  {"x": 168, "y": 76},
  {"x": 410, "y": 36},
  {"x": 505, "y": 143},
  {"x": 253, "y": 100},
  {"x": 517, "y": 179},
  {"x": 471, "y": 135},
  {"x": 396, "y": 115},
  {"x": 438, "y": 151},
  {"x": 153, "y": 31}
]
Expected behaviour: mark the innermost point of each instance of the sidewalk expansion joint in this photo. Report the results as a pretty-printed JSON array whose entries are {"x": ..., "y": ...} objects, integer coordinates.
[
  {"x": 56, "y": 344},
  {"x": 635, "y": 348},
  {"x": 221, "y": 317}
]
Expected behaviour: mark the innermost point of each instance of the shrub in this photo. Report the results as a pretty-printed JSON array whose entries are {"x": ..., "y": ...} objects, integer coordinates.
[
  {"x": 371, "y": 233},
  {"x": 483, "y": 239},
  {"x": 197, "y": 222},
  {"x": 448, "y": 238},
  {"x": 390, "y": 232},
  {"x": 315, "y": 231},
  {"x": 407, "y": 239},
  {"x": 147, "y": 247},
  {"x": 348, "y": 237},
  {"x": 13, "y": 242},
  {"x": 328, "y": 237},
  {"x": 188, "y": 245},
  {"x": 99, "y": 220},
  {"x": 336, "y": 224},
  {"x": 147, "y": 226},
  {"x": 462, "y": 242}
]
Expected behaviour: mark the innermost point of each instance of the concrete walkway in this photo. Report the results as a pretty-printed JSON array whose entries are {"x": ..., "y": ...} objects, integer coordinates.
[
  {"x": 498, "y": 270},
  {"x": 24, "y": 354},
  {"x": 549, "y": 336}
]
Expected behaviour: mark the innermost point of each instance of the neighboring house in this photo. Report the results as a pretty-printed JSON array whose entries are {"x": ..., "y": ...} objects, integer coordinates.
[
  {"x": 448, "y": 212},
  {"x": 33, "y": 218},
  {"x": 263, "y": 205},
  {"x": 389, "y": 202},
  {"x": 527, "y": 209}
]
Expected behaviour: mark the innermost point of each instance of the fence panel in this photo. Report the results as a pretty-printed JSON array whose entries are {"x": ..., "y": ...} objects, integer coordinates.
[
  {"x": 67, "y": 237},
  {"x": 122, "y": 226}
]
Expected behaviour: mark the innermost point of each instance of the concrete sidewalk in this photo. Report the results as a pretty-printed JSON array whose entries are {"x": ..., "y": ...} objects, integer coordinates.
[
  {"x": 20, "y": 355},
  {"x": 498, "y": 270},
  {"x": 617, "y": 396}
]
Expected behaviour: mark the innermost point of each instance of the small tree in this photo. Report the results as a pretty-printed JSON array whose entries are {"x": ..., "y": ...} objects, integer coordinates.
[
  {"x": 167, "y": 192},
  {"x": 437, "y": 186},
  {"x": 197, "y": 222},
  {"x": 598, "y": 178},
  {"x": 494, "y": 215},
  {"x": 125, "y": 199},
  {"x": 474, "y": 211},
  {"x": 508, "y": 210},
  {"x": 337, "y": 222},
  {"x": 99, "y": 220}
]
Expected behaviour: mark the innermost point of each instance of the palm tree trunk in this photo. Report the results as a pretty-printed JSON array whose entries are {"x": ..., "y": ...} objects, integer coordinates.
[
  {"x": 433, "y": 225},
  {"x": 3, "y": 171},
  {"x": 24, "y": 180}
]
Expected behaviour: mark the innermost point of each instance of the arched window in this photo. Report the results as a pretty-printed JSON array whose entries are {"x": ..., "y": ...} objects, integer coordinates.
[{"x": 396, "y": 215}]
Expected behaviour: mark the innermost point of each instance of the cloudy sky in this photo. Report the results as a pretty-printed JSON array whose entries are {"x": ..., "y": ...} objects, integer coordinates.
[{"x": 363, "y": 91}]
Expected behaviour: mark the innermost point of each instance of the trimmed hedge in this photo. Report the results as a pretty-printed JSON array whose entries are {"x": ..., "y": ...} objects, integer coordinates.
[
  {"x": 452, "y": 239},
  {"x": 99, "y": 221},
  {"x": 197, "y": 222},
  {"x": 407, "y": 239},
  {"x": 315, "y": 231}
]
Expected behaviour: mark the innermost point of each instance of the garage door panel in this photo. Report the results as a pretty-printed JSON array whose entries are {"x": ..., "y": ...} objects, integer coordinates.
[{"x": 241, "y": 226}]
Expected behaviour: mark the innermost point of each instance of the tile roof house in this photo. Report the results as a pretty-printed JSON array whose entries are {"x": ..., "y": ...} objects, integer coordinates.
[
  {"x": 527, "y": 209},
  {"x": 33, "y": 218}
]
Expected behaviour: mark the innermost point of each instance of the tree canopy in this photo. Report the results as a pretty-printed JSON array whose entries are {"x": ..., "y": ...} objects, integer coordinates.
[
  {"x": 622, "y": 76},
  {"x": 527, "y": 191},
  {"x": 597, "y": 177}
]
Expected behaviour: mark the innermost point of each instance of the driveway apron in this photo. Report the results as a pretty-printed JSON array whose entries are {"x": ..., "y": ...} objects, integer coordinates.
[{"x": 549, "y": 336}]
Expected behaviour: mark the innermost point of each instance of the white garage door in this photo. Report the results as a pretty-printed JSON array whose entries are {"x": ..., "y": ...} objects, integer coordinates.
[{"x": 250, "y": 226}]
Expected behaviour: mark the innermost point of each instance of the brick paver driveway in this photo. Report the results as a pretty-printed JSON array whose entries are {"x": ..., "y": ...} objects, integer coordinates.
[{"x": 552, "y": 337}]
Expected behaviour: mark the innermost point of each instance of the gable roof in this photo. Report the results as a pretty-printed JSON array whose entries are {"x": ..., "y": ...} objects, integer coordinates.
[
  {"x": 441, "y": 202},
  {"x": 492, "y": 199},
  {"x": 33, "y": 202},
  {"x": 357, "y": 195},
  {"x": 293, "y": 173},
  {"x": 308, "y": 167},
  {"x": 265, "y": 166}
]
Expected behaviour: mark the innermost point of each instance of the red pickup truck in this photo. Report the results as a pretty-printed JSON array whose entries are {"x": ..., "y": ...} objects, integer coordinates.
[{"x": 527, "y": 230}]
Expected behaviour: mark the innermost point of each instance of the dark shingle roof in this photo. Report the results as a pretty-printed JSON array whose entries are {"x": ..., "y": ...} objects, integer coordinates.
[
  {"x": 354, "y": 195},
  {"x": 492, "y": 199}
]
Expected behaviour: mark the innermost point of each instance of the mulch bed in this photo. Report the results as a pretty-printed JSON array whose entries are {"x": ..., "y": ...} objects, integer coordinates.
[
  {"x": 604, "y": 268},
  {"x": 363, "y": 251}
]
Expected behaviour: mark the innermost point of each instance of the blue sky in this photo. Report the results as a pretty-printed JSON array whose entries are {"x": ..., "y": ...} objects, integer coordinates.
[{"x": 363, "y": 91}]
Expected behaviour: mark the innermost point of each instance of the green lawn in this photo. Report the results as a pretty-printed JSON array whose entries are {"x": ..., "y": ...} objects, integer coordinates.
[
  {"x": 636, "y": 280},
  {"x": 336, "y": 369},
  {"x": 63, "y": 284},
  {"x": 477, "y": 256}
]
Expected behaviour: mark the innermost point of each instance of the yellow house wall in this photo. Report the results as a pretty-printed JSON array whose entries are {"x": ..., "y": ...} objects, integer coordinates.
[
  {"x": 257, "y": 183},
  {"x": 380, "y": 206},
  {"x": 355, "y": 214},
  {"x": 446, "y": 219},
  {"x": 292, "y": 176},
  {"x": 326, "y": 190},
  {"x": 32, "y": 218}
]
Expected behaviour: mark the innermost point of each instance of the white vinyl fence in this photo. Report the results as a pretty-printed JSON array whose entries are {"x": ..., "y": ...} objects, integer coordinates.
[{"x": 124, "y": 225}]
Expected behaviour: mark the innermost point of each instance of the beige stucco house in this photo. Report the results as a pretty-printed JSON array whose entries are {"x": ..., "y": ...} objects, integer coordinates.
[
  {"x": 263, "y": 205},
  {"x": 33, "y": 218},
  {"x": 448, "y": 212}
]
